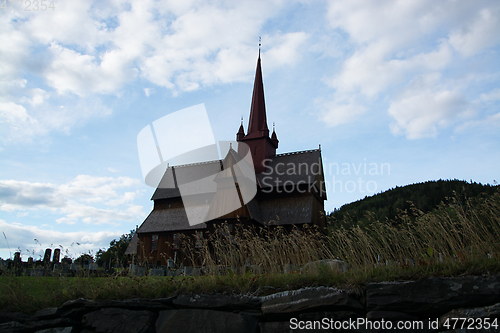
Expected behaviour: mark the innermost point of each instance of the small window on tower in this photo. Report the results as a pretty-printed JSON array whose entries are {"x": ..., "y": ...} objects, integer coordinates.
[
  {"x": 175, "y": 242},
  {"x": 154, "y": 242}
]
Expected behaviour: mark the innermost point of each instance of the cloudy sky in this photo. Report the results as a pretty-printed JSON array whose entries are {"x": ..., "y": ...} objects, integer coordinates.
[{"x": 396, "y": 92}]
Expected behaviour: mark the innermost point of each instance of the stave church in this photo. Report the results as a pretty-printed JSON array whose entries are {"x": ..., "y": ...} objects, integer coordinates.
[{"x": 290, "y": 191}]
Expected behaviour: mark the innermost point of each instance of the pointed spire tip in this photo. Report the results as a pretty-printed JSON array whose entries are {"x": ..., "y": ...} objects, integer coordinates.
[{"x": 259, "y": 45}]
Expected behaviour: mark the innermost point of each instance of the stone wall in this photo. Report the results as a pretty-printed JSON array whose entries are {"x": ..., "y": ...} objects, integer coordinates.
[{"x": 428, "y": 301}]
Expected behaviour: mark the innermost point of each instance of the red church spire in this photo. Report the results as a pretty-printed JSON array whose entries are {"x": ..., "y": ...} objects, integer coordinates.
[
  {"x": 257, "y": 125},
  {"x": 257, "y": 140}
]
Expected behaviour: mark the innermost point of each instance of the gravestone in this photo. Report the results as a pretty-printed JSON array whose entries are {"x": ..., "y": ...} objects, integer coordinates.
[
  {"x": 57, "y": 255},
  {"x": 17, "y": 259},
  {"x": 66, "y": 261},
  {"x": 46, "y": 257},
  {"x": 3, "y": 264},
  {"x": 135, "y": 270},
  {"x": 17, "y": 263},
  {"x": 156, "y": 272}
]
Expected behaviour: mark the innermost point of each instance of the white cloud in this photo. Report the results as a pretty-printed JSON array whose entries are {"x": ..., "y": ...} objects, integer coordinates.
[
  {"x": 71, "y": 22},
  {"x": 340, "y": 111},
  {"x": 490, "y": 121},
  {"x": 35, "y": 120},
  {"x": 14, "y": 52},
  {"x": 125, "y": 198},
  {"x": 425, "y": 106},
  {"x": 96, "y": 47},
  {"x": 287, "y": 50},
  {"x": 109, "y": 203},
  {"x": 491, "y": 96},
  {"x": 179, "y": 50},
  {"x": 478, "y": 34},
  {"x": 387, "y": 35},
  {"x": 93, "y": 47},
  {"x": 71, "y": 71},
  {"x": 92, "y": 215},
  {"x": 14, "y": 114},
  {"x": 71, "y": 243},
  {"x": 394, "y": 45},
  {"x": 38, "y": 96}
]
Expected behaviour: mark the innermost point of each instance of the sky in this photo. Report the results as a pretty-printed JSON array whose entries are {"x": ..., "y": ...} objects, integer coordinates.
[{"x": 395, "y": 92}]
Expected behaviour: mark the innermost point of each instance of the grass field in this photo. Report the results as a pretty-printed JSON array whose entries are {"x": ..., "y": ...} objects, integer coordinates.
[
  {"x": 457, "y": 239},
  {"x": 29, "y": 294}
]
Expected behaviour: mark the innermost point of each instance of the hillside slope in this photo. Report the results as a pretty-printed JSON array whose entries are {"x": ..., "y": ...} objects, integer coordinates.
[{"x": 423, "y": 196}]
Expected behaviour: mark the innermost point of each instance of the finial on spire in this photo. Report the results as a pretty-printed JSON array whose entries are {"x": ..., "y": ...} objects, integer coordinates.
[
  {"x": 242, "y": 120},
  {"x": 259, "y": 45},
  {"x": 274, "y": 126}
]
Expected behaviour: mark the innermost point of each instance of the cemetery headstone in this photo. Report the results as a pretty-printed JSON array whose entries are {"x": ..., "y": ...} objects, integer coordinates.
[
  {"x": 46, "y": 257},
  {"x": 66, "y": 261},
  {"x": 17, "y": 258},
  {"x": 57, "y": 255}
]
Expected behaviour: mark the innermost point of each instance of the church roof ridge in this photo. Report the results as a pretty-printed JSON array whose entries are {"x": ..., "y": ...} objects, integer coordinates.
[
  {"x": 298, "y": 152},
  {"x": 197, "y": 163}
]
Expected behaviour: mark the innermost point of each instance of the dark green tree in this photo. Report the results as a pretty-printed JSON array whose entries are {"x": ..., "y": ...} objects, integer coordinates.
[
  {"x": 115, "y": 254},
  {"x": 423, "y": 197}
]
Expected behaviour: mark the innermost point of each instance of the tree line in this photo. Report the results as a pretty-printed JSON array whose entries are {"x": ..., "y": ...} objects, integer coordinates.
[{"x": 423, "y": 197}]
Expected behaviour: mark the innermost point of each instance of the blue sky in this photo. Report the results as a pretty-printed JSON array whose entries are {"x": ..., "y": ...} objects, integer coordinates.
[{"x": 396, "y": 92}]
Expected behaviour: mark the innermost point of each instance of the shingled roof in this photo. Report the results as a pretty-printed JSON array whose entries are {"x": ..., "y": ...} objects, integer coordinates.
[
  {"x": 171, "y": 219},
  {"x": 169, "y": 184},
  {"x": 301, "y": 167}
]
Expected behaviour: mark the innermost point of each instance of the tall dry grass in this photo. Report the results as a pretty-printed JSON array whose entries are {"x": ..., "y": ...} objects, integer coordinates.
[
  {"x": 459, "y": 231},
  {"x": 265, "y": 249}
]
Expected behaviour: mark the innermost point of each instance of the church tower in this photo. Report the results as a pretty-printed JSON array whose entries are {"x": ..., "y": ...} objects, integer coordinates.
[{"x": 257, "y": 138}]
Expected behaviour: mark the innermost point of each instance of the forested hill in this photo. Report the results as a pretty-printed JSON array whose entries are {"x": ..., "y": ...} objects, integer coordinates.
[{"x": 425, "y": 196}]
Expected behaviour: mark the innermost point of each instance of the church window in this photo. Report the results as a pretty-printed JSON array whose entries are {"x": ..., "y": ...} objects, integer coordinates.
[
  {"x": 175, "y": 242},
  {"x": 154, "y": 242}
]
